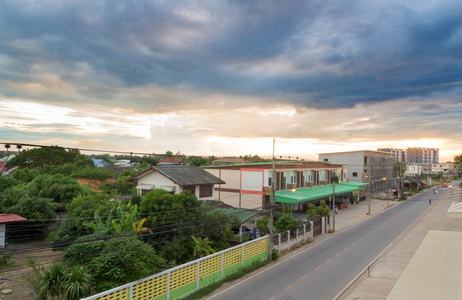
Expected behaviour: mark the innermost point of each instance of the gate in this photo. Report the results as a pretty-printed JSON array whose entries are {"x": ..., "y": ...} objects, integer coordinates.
[{"x": 317, "y": 226}]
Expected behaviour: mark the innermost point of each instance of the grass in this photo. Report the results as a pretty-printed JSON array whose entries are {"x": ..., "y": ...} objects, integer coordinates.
[{"x": 214, "y": 286}]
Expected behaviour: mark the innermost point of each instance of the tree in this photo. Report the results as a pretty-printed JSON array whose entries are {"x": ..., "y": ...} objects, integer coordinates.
[
  {"x": 122, "y": 261},
  {"x": 262, "y": 226},
  {"x": 7, "y": 182},
  {"x": 321, "y": 210},
  {"x": 201, "y": 247},
  {"x": 45, "y": 157},
  {"x": 286, "y": 222},
  {"x": 26, "y": 175},
  {"x": 82, "y": 207}
]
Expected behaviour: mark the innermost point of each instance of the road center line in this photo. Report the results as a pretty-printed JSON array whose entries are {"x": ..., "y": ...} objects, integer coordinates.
[
  {"x": 328, "y": 261},
  {"x": 317, "y": 268},
  {"x": 289, "y": 287},
  {"x": 306, "y": 275}
]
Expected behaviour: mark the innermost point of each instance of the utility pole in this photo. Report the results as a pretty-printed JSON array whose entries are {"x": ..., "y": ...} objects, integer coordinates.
[
  {"x": 369, "y": 184},
  {"x": 333, "y": 199},
  {"x": 271, "y": 217}
]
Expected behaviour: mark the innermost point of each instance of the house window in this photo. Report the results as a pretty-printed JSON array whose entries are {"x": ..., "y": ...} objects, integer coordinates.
[
  {"x": 292, "y": 179},
  {"x": 191, "y": 188},
  {"x": 310, "y": 178},
  {"x": 355, "y": 174},
  {"x": 206, "y": 191},
  {"x": 326, "y": 159},
  {"x": 270, "y": 181}
]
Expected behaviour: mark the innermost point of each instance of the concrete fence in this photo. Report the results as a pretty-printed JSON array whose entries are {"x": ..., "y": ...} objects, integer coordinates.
[{"x": 285, "y": 241}]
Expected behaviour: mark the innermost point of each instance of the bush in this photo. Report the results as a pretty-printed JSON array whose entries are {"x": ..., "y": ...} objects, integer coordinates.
[
  {"x": 123, "y": 261},
  {"x": 286, "y": 222},
  {"x": 262, "y": 226},
  {"x": 5, "y": 258},
  {"x": 275, "y": 255}
]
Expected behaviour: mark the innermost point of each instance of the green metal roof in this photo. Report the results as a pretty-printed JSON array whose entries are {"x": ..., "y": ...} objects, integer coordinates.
[{"x": 308, "y": 194}]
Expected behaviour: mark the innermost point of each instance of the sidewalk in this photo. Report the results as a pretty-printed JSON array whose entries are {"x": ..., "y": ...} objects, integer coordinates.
[{"x": 388, "y": 269}]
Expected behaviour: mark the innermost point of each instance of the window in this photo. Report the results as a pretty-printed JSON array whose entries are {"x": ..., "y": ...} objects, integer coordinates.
[
  {"x": 191, "y": 188},
  {"x": 206, "y": 191},
  {"x": 355, "y": 174},
  {"x": 326, "y": 159},
  {"x": 270, "y": 181},
  {"x": 292, "y": 179},
  {"x": 310, "y": 178}
]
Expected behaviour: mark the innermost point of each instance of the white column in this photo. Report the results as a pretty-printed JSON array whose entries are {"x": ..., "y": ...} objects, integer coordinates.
[{"x": 2, "y": 235}]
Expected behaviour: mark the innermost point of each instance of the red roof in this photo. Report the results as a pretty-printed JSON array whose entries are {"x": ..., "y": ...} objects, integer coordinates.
[
  {"x": 2, "y": 166},
  {"x": 170, "y": 160},
  {"x": 11, "y": 218}
]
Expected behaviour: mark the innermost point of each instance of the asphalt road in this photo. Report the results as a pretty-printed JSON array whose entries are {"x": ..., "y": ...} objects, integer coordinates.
[{"x": 323, "y": 270}]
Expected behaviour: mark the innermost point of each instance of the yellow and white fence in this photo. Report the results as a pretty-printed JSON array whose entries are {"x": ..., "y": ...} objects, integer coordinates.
[{"x": 186, "y": 279}]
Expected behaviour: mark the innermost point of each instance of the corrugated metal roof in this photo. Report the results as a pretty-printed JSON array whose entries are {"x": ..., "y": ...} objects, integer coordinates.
[
  {"x": 242, "y": 214},
  {"x": 11, "y": 218},
  {"x": 318, "y": 192}
]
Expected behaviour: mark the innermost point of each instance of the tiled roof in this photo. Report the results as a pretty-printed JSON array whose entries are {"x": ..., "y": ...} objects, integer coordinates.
[
  {"x": 11, "y": 218},
  {"x": 2, "y": 166},
  {"x": 170, "y": 160}
]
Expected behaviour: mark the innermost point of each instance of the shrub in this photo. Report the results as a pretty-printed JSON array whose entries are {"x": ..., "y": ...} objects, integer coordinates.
[{"x": 275, "y": 254}]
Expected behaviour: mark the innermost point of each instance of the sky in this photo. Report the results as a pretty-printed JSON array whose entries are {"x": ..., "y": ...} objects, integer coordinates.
[{"x": 225, "y": 78}]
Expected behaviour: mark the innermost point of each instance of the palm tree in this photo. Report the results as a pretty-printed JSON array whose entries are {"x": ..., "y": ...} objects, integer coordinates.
[{"x": 13, "y": 195}]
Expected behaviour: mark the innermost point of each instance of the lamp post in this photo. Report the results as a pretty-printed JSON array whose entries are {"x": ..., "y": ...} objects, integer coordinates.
[{"x": 271, "y": 217}]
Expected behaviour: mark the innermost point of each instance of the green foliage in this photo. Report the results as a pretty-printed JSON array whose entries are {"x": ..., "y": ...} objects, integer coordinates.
[
  {"x": 106, "y": 157},
  {"x": 26, "y": 175},
  {"x": 275, "y": 254},
  {"x": 84, "y": 249},
  {"x": 182, "y": 216},
  {"x": 92, "y": 172},
  {"x": 7, "y": 182},
  {"x": 201, "y": 247},
  {"x": 321, "y": 210},
  {"x": 458, "y": 160},
  {"x": 286, "y": 222},
  {"x": 34, "y": 208},
  {"x": 61, "y": 282},
  {"x": 12, "y": 196},
  {"x": 82, "y": 207},
  {"x": 262, "y": 226},
  {"x": 45, "y": 157},
  {"x": 5, "y": 258},
  {"x": 77, "y": 283},
  {"x": 255, "y": 159},
  {"x": 123, "y": 261}
]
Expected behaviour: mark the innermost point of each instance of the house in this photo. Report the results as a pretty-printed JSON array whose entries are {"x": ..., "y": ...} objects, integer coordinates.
[
  {"x": 122, "y": 162},
  {"x": 7, "y": 219},
  {"x": 249, "y": 185},
  {"x": 169, "y": 161},
  {"x": 176, "y": 179},
  {"x": 379, "y": 164},
  {"x": 100, "y": 163}
]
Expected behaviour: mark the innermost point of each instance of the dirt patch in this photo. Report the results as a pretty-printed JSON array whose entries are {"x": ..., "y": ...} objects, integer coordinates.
[
  {"x": 95, "y": 184},
  {"x": 13, "y": 274}
]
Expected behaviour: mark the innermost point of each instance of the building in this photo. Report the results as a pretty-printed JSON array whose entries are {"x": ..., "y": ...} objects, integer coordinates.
[
  {"x": 373, "y": 167},
  {"x": 249, "y": 185},
  {"x": 423, "y": 156},
  {"x": 168, "y": 161},
  {"x": 399, "y": 155},
  {"x": 100, "y": 163},
  {"x": 176, "y": 179},
  {"x": 229, "y": 161}
]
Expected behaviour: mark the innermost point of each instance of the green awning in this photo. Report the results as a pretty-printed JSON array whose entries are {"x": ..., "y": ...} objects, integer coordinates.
[{"x": 309, "y": 194}]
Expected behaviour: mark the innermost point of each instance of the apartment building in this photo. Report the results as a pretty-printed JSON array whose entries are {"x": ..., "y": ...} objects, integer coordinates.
[
  {"x": 399, "y": 155},
  {"x": 249, "y": 185},
  {"x": 424, "y": 156}
]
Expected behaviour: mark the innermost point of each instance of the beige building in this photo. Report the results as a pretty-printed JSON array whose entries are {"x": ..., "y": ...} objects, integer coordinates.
[{"x": 249, "y": 185}]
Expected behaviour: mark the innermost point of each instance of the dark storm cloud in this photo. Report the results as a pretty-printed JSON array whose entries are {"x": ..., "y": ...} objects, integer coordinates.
[{"x": 335, "y": 54}]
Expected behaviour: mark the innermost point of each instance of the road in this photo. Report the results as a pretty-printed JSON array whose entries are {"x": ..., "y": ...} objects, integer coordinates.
[{"x": 323, "y": 270}]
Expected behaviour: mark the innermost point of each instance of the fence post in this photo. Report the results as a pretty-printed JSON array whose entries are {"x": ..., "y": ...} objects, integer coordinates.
[
  {"x": 296, "y": 237},
  {"x": 288, "y": 238},
  {"x": 168, "y": 286},
  {"x": 311, "y": 230},
  {"x": 279, "y": 245},
  {"x": 304, "y": 232},
  {"x": 222, "y": 264},
  {"x": 198, "y": 274},
  {"x": 130, "y": 292},
  {"x": 243, "y": 255}
]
